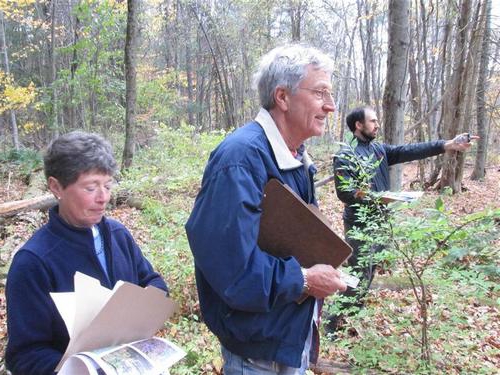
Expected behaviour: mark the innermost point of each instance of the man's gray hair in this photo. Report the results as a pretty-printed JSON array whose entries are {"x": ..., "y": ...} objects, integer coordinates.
[
  {"x": 71, "y": 154},
  {"x": 285, "y": 67}
]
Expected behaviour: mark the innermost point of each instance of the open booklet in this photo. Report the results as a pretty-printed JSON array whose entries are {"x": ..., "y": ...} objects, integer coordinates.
[
  {"x": 400, "y": 196},
  {"x": 97, "y": 317},
  {"x": 151, "y": 356}
]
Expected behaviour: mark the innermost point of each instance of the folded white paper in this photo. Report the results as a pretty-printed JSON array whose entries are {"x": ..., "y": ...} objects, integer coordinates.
[{"x": 97, "y": 317}]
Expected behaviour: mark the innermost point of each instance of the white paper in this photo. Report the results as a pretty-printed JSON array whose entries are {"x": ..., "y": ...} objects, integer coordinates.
[
  {"x": 79, "y": 364},
  {"x": 105, "y": 318},
  {"x": 65, "y": 303},
  {"x": 90, "y": 297},
  {"x": 350, "y": 280}
]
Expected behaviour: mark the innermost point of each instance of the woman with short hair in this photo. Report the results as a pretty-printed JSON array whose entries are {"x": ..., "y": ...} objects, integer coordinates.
[{"x": 79, "y": 168}]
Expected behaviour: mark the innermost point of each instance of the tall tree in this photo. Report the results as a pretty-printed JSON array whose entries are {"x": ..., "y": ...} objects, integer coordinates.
[
  {"x": 470, "y": 76},
  {"x": 296, "y": 10},
  {"x": 482, "y": 86},
  {"x": 365, "y": 35},
  {"x": 221, "y": 64},
  {"x": 130, "y": 77},
  {"x": 6, "y": 63},
  {"x": 455, "y": 98},
  {"x": 395, "y": 87},
  {"x": 53, "y": 68}
]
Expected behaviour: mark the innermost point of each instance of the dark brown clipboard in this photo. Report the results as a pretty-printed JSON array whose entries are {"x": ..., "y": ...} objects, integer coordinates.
[{"x": 290, "y": 227}]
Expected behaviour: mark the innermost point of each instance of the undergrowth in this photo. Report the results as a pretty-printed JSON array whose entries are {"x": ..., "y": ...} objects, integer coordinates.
[
  {"x": 464, "y": 296},
  {"x": 168, "y": 174},
  {"x": 382, "y": 337}
]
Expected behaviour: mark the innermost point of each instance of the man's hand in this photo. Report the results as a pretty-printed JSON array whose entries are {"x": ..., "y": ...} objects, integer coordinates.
[
  {"x": 460, "y": 143},
  {"x": 323, "y": 281}
]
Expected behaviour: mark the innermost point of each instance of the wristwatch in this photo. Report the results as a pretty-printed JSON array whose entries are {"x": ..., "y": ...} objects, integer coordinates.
[{"x": 305, "y": 288}]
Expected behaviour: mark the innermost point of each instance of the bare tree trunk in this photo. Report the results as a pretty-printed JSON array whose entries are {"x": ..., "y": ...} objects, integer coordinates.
[
  {"x": 247, "y": 82},
  {"x": 364, "y": 37},
  {"x": 73, "y": 68},
  {"x": 470, "y": 77},
  {"x": 2, "y": 131},
  {"x": 374, "y": 73},
  {"x": 296, "y": 11},
  {"x": 444, "y": 73},
  {"x": 423, "y": 49},
  {"x": 53, "y": 70},
  {"x": 215, "y": 51},
  {"x": 190, "y": 89},
  {"x": 130, "y": 76},
  {"x": 344, "y": 90},
  {"x": 454, "y": 98},
  {"x": 93, "y": 99},
  {"x": 201, "y": 87},
  {"x": 420, "y": 71},
  {"x": 229, "y": 77},
  {"x": 417, "y": 110},
  {"x": 12, "y": 113},
  {"x": 395, "y": 87},
  {"x": 482, "y": 86},
  {"x": 347, "y": 79}
]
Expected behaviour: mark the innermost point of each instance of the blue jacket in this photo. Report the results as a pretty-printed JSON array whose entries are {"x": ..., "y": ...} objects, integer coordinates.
[
  {"x": 247, "y": 297},
  {"x": 389, "y": 155},
  {"x": 47, "y": 263}
]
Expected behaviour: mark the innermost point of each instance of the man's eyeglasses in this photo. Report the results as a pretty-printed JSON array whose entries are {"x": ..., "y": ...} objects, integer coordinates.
[{"x": 324, "y": 94}]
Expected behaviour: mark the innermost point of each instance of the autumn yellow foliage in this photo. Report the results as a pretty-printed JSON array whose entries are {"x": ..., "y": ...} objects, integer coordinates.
[
  {"x": 13, "y": 96},
  {"x": 8, "y": 7}
]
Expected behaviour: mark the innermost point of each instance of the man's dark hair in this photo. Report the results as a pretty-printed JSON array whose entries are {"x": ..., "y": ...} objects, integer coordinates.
[{"x": 357, "y": 114}]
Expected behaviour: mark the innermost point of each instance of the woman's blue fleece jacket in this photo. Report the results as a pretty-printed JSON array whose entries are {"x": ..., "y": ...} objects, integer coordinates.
[{"x": 47, "y": 263}]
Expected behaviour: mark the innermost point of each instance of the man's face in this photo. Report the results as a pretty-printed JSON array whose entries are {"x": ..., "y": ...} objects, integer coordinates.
[
  {"x": 369, "y": 128},
  {"x": 309, "y": 106}
]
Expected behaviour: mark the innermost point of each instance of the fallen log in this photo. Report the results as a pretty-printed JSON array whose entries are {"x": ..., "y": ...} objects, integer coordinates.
[
  {"x": 46, "y": 201},
  {"x": 43, "y": 202},
  {"x": 330, "y": 367}
]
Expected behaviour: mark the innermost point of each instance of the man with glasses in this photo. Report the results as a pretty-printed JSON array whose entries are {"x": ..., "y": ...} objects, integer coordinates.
[
  {"x": 364, "y": 125},
  {"x": 250, "y": 299}
]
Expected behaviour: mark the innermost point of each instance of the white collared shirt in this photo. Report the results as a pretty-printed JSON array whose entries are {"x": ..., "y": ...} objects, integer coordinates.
[{"x": 284, "y": 157}]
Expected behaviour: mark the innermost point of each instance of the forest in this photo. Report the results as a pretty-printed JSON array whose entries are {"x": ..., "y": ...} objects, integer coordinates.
[{"x": 166, "y": 80}]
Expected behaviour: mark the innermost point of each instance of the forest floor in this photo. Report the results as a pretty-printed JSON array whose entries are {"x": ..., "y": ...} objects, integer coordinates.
[{"x": 475, "y": 197}]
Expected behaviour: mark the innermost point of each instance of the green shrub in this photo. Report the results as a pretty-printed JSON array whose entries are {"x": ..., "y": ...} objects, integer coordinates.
[
  {"x": 167, "y": 176},
  {"x": 173, "y": 164},
  {"x": 22, "y": 162},
  {"x": 442, "y": 257}
]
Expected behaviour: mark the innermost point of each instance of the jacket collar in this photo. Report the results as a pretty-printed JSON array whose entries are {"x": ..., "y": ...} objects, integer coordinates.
[
  {"x": 284, "y": 158},
  {"x": 79, "y": 236}
]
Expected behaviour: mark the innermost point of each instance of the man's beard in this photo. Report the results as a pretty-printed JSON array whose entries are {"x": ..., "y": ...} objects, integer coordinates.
[{"x": 367, "y": 136}]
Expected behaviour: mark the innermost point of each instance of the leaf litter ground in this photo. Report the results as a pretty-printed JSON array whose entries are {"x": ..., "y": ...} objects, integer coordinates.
[{"x": 475, "y": 197}]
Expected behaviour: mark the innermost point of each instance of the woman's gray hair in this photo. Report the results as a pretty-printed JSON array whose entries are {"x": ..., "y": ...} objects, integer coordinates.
[
  {"x": 285, "y": 67},
  {"x": 72, "y": 154}
]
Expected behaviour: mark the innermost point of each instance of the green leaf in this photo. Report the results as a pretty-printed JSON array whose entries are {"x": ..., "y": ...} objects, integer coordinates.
[
  {"x": 457, "y": 253},
  {"x": 491, "y": 270},
  {"x": 439, "y": 204}
]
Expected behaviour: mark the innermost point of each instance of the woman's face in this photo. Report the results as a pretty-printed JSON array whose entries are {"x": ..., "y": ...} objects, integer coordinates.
[{"x": 82, "y": 203}]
